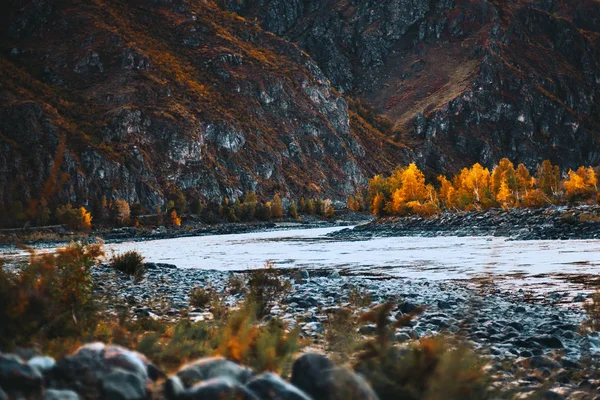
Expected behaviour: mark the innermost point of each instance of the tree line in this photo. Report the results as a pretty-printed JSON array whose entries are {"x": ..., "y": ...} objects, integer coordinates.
[
  {"x": 118, "y": 213},
  {"x": 406, "y": 191}
]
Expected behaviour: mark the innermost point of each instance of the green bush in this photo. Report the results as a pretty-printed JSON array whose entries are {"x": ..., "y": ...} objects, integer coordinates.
[
  {"x": 359, "y": 297},
  {"x": 130, "y": 262},
  {"x": 340, "y": 333},
  {"x": 265, "y": 287},
  {"x": 201, "y": 297}
]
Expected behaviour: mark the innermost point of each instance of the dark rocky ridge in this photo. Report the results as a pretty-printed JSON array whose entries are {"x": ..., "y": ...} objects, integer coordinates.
[
  {"x": 463, "y": 81},
  {"x": 127, "y": 99}
]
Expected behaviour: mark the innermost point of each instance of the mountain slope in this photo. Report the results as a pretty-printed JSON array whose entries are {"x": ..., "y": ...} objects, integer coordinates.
[
  {"x": 462, "y": 81},
  {"x": 130, "y": 99}
]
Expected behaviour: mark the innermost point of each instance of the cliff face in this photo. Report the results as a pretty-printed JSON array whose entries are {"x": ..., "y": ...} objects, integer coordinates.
[
  {"x": 127, "y": 99},
  {"x": 462, "y": 81}
]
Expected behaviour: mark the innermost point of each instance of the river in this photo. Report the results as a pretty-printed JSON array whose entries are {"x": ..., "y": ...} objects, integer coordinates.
[{"x": 535, "y": 264}]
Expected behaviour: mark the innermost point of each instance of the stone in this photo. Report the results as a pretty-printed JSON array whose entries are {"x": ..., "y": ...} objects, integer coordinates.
[
  {"x": 213, "y": 367},
  {"x": 17, "y": 376},
  {"x": 271, "y": 387},
  {"x": 543, "y": 362},
  {"x": 317, "y": 377},
  {"x": 56, "y": 394},
  {"x": 402, "y": 337},
  {"x": 213, "y": 389},
  {"x": 42, "y": 363},
  {"x": 120, "y": 384},
  {"x": 407, "y": 307},
  {"x": 308, "y": 374},
  {"x": 367, "y": 330},
  {"x": 548, "y": 341}
]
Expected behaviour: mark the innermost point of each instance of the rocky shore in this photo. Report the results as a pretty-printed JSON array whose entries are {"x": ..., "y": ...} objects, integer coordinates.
[
  {"x": 550, "y": 223},
  {"x": 533, "y": 344},
  {"x": 59, "y": 235}
]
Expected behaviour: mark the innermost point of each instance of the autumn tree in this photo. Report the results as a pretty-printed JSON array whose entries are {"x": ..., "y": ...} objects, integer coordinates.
[
  {"x": 293, "y": 210},
  {"x": 378, "y": 204},
  {"x": 74, "y": 218},
  {"x": 120, "y": 212},
  {"x": 525, "y": 181},
  {"x": 504, "y": 174},
  {"x": 413, "y": 184},
  {"x": 175, "y": 220},
  {"x": 276, "y": 207},
  {"x": 548, "y": 178},
  {"x": 378, "y": 185},
  {"x": 581, "y": 183},
  {"x": 353, "y": 204},
  {"x": 447, "y": 192}
]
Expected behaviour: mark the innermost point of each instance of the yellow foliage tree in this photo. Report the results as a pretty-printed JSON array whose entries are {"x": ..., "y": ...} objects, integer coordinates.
[
  {"x": 74, "y": 218},
  {"x": 504, "y": 195},
  {"x": 413, "y": 184},
  {"x": 447, "y": 192},
  {"x": 378, "y": 204},
  {"x": 548, "y": 178},
  {"x": 353, "y": 204},
  {"x": 277, "y": 207},
  {"x": 504, "y": 172},
  {"x": 175, "y": 220},
  {"x": 476, "y": 180}
]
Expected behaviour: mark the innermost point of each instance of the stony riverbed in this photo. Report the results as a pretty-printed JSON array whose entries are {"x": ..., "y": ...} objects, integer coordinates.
[{"x": 533, "y": 342}]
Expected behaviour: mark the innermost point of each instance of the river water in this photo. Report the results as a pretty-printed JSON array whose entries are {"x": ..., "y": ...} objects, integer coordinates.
[{"x": 547, "y": 265}]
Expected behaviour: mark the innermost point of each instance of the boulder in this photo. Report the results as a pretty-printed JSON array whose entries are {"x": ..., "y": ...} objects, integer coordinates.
[
  {"x": 213, "y": 367},
  {"x": 212, "y": 389},
  {"x": 308, "y": 374},
  {"x": 271, "y": 387},
  {"x": 85, "y": 370},
  {"x": 18, "y": 377},
  {"x": 319, "y": 378},
  {"x": 120, "y": 384}
]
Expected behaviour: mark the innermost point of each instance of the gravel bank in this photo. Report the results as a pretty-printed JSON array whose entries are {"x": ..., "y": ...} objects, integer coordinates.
[
  {"x": 551, "y": 223},
  {"x": 533, "y": 343}
]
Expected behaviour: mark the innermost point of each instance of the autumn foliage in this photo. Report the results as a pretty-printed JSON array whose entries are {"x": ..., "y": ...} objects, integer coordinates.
[
  {"x": 51, "y": 297},
  {"x": 406, "y": 192}
]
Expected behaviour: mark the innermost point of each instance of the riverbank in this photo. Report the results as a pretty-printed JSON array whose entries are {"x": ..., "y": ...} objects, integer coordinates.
[
  {"x": 58, "y": 235},
  {"x": 533, "y": 343},
  {"x": 549, "y": 223}
]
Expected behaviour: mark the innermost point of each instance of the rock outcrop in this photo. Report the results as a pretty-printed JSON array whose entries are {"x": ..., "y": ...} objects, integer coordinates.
[
  {"x": 128, "y": 99},
  {"x": 462, "y": 81}
]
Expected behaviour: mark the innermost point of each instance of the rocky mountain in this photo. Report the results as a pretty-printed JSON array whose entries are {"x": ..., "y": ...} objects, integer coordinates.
[
  {"x": 462, "y": 81},
  {"x": 129, "y": 99}
]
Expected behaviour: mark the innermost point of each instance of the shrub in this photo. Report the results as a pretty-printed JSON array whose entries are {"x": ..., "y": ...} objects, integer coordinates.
[
  {"x": 201, "y": 297},
  {"x": 50, "y": 297},
  {"x": 429, "y": 369},
  {"x": 236, "y": 284},
  {"x": 74, "y": 218},
  {"x": 130, "y": 262},
  {"x": 340, "y": 333},
  {"x": 263, "y": 348},
  {"x": 266, "y": 286},
  {"x": 359, "y": 297}
]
